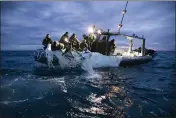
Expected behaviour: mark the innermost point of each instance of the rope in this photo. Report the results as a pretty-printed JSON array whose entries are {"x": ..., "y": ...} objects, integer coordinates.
[{"x": 120, "y": 25}]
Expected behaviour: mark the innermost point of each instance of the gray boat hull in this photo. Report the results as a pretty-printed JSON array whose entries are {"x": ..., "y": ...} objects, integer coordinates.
[{"x": 39, "y": 56}]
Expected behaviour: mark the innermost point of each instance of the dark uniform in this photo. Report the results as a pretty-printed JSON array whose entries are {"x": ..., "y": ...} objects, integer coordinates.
[
  {"x": 83, "y": 45},
  {"x": 47, "y": 41},
  {"x": 89, "y": 40},
  {"x": 74, "y": 41},
  {"x": 64, "y": 39},
  {"x": 86, "y": 40},
  {"x": 111, "y": 47},
  {"x": 57, "y": 46}
]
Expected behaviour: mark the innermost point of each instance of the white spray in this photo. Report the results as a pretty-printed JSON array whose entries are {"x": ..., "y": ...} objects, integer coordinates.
[
  {"x": 49, "y": 56},
  {"x": 86, "y": 62}
]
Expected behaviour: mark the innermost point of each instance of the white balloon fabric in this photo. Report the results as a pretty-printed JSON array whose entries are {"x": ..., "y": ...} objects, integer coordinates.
[
  {"x": 86, "y": 59},
  {"x": 49, "y": 56}
]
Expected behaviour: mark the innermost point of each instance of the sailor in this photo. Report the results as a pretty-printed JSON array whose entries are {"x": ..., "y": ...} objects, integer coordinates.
[
  {"x": 111, "y": 47},
  {"x": 47, "y": 41},
  {"x": 54, "y": 46},
  {"x": 64, "y": 40},
  {"x": 74, "y": 41},
  {"x": 83, "y": 45},
  {"x": 57, "y": 46},
  {"x": 94, "y": 28},
  {"x": 104, "y": 38},
  {"x": 91, "y": 39},
  {"x": 85, "y": 37}
]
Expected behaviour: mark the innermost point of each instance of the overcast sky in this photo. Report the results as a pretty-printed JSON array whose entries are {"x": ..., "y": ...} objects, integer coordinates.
[{"x": 25, "y": 24}]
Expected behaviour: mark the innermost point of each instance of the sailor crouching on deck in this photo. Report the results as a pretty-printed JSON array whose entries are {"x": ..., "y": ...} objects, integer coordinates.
[
  {"x": 86, "y": 38},
  {"x": 57, "y": 46},
  {"x": 47, "y": 41},
  {"x": 74, "y": 42},
  {"x": 64, "y": 40},
  {"x": 83, "y": 45}
]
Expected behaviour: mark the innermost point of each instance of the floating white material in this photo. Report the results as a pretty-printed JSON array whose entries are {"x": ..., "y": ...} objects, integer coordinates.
[
  {"x": 99, "y": 60},
  {"x": 49, "y": 56},
  {"x": 73, "y": 59}
]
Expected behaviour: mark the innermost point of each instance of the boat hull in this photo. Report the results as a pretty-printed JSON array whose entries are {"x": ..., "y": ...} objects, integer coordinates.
[
  {"x": 40, "y": 57},
  {"x": 130, "y": 61}
]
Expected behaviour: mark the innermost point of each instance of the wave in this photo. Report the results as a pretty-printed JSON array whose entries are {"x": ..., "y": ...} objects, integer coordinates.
[
  {"x": 7, "y": 71},
  {"x": 21, "y": 101},
  {"x": 146, "y": 88},
  {"x": 12, "y": 82},
  {"x": 9, "y": 102},
  {"x": 38, "y": 98}
]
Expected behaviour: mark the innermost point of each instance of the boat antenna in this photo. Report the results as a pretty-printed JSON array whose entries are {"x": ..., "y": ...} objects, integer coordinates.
[{"x": 124, "y": 11}]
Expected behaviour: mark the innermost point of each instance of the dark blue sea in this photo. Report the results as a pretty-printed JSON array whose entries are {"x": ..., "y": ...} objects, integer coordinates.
[{"x": 141, "y": 91}]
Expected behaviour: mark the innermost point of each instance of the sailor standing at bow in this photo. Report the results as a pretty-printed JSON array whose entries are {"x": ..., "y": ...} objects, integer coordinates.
[{"x": 47, "y": 41}]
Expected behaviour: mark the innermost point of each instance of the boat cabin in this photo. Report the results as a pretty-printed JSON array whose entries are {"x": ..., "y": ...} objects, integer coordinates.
[{"x": 99, "y": 34}]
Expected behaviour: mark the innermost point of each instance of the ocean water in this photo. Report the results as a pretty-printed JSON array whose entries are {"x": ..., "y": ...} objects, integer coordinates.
[{"x": 147, "y": 90}]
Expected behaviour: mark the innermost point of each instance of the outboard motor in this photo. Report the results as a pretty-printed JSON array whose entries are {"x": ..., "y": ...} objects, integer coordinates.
[{"x": 150, "y": 52}]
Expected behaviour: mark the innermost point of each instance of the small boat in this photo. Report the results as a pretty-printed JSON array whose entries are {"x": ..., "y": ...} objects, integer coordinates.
[
  {"x": 75, "y": 58},
  {"x": 97, "y": 60}
]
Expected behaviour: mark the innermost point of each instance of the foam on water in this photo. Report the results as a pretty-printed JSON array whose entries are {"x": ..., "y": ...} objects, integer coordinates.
[
  {"x": 93, "y": 75},
  {"x": 95, "y": 99},
  {"x": 9, "y": 84},
  {"x": 57, "y": 81}
]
